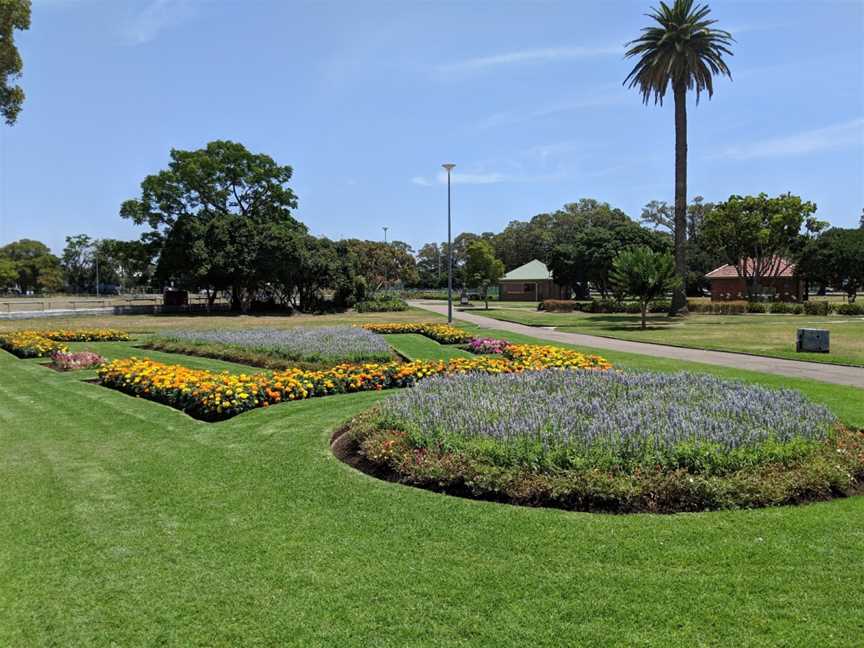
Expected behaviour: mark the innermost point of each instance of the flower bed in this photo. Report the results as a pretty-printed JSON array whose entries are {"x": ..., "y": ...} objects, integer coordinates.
[
  {"x": 63, "y": 361},
  {"x": 330, "y": 344},
  {"x": 214, "y": 396},
  {"x": 443, "y": 333},
  {"x": 40, "y": 344},
  {"x": 612, "y": 441},
  {"x": 487, "y": 346}
]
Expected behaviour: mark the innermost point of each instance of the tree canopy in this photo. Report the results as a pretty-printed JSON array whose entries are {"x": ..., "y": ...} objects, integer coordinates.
[
  {"x": 758, "y": 234},
  {"x": 482, "y": 268},
  {"x": 215, "y": 214},
  {"x": 14, "y": 14},
  {"x": 836, "y": 258},
  {"x": 643, "y": 273},
  {"x": 35, "y": 267}
]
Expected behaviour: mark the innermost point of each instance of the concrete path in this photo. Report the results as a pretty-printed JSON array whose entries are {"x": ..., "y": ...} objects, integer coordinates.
[{"x": 839, "y": 375}]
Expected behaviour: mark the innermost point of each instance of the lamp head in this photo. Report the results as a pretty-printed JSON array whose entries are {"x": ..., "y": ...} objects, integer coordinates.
[{"x": 448, "y": 166}]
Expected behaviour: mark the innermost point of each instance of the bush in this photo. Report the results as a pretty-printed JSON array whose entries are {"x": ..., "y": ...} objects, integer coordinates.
[
  {"x": 850, "y": 309},
  {"x": 659, "y": 306},
  {"x": 719, "y": 308},
  {"x": 611, "y": 441},
  {"x": 63, "y": 361},
  {"x": 558, "y": 305},
  {"x": 786, "y": 308},
  {"x": 487, "y": 346},
  {"x": 817, "y": 307},
  {"x": 385, "y": 305},
  {"x": 755, "y": 307}
]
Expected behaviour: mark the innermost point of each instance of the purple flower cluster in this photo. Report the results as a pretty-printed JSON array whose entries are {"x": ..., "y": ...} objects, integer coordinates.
[
  {"x": 325, "y": 343},
  {"x": 632, "y": 415},
  {"x": 65, "y": 361},
  {"x": 483, "y": 346}
]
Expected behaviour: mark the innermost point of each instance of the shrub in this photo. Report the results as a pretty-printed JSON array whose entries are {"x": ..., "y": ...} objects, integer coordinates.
[
  {"x": 662, "y": 306},
  {"x": 755, "y": 307},
  {"x": 817, "y": 307},
  {"x": 486, "y": 346},
  {"x": 719, "y": 308},
  {"x": 786, "y": 308},
  {"x": 312, "y": 344},
  {"x": 381, "y": 305},
  {"x": 850, "y": 309},
  {"x": 63, "y": 361},
  {"x": 212, "y": 396},
  {"x": 558, "y": 305},
  {"x": 612, "y": 441}
]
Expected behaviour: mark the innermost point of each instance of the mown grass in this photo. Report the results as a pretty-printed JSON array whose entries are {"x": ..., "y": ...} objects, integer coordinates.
[
  {"x": 767, "y": 335},
  {"x": 127, "y": 522},
  {"x": 418, "y": 347}
]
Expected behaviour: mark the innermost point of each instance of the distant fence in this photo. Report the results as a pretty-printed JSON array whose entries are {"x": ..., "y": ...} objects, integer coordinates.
[{"x": 23, "y": 308}]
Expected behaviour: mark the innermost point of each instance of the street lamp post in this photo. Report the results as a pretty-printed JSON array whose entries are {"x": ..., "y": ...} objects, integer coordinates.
[
  {"x": 449, "y": 168},
  {"x": 385, "y": 259}
]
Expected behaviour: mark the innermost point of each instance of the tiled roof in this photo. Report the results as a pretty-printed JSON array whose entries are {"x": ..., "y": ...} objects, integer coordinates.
[{"x": 785, "y": 269}]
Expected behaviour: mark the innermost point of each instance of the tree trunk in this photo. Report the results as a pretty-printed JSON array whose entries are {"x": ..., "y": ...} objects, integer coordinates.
[
  {"x": 679, "y": 295},
  {"x": 644, "y": 306}
]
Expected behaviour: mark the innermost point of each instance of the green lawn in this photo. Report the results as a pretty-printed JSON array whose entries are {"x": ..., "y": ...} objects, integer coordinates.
[
  {"x": 767, "y": 335},
  {"x": 419, "y": 347},
  {"x": 126, "y": 522}
]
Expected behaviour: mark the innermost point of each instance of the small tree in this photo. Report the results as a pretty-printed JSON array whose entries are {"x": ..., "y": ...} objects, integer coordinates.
[
  {"x": 482, "y": 267},
  {"x": 644, "y": 274}
]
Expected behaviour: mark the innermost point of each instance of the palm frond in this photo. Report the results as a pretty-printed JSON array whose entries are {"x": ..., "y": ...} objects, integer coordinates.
[{"x": 684, "y": 50}]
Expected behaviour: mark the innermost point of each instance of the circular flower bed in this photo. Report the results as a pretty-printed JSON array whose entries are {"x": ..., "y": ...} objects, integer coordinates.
[{"x": 612, "y": 441}]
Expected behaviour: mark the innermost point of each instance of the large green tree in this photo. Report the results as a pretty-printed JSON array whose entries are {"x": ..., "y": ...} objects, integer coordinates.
[
  {"x": 14, "y": 14},
  {"x": 212, "y": 211},
  {"x": 589, "y": 245},
  {"x": 383, "y": 264},
  {"x": 685, "y": 52},
  {"x": 759, "y": 235},
  {"x": 836, "y": 258},
  {"x": 37, "y": 269},
  {"x": 78, "y": 261}
]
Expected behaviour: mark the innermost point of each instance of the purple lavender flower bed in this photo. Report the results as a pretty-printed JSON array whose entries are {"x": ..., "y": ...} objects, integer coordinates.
[
  {"x": 314, "y": 344},
  {"x": 609, "y": 420}
]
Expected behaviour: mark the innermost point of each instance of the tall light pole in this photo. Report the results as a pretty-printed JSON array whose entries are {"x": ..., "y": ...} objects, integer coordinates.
[
  {"x": 385, "y": 228},
  {"x": 449, "y": 168}
]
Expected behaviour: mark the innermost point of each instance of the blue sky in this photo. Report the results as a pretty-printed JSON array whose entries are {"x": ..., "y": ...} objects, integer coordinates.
[{"x": 366, "y": 99}]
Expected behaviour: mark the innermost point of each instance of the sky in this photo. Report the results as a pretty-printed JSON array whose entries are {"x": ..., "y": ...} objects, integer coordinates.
[{"x": 365, "y": 100}]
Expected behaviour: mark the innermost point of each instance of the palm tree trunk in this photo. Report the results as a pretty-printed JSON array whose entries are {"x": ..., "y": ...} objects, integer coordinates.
[{"x": 679, "y": 295}]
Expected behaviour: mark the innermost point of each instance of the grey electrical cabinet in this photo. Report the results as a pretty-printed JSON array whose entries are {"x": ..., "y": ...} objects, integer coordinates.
[{"x": 813, "y": 341}]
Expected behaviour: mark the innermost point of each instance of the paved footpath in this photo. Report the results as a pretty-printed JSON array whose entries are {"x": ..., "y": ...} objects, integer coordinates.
[{"x": 836, "y": 374}]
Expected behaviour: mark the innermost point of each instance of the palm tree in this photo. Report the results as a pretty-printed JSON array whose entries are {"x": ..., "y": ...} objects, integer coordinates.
[{"x": 686, "y": 52}]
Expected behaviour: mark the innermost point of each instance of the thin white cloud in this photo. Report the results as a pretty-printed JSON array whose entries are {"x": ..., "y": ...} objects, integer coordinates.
[
  {"x": 833, "y": 137},
  {"x": 597, "y": 99},
  {"x": 543, "y": 55},
  {"x": 145, "y": 25},
  {"x": 481, "y": 178}
]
